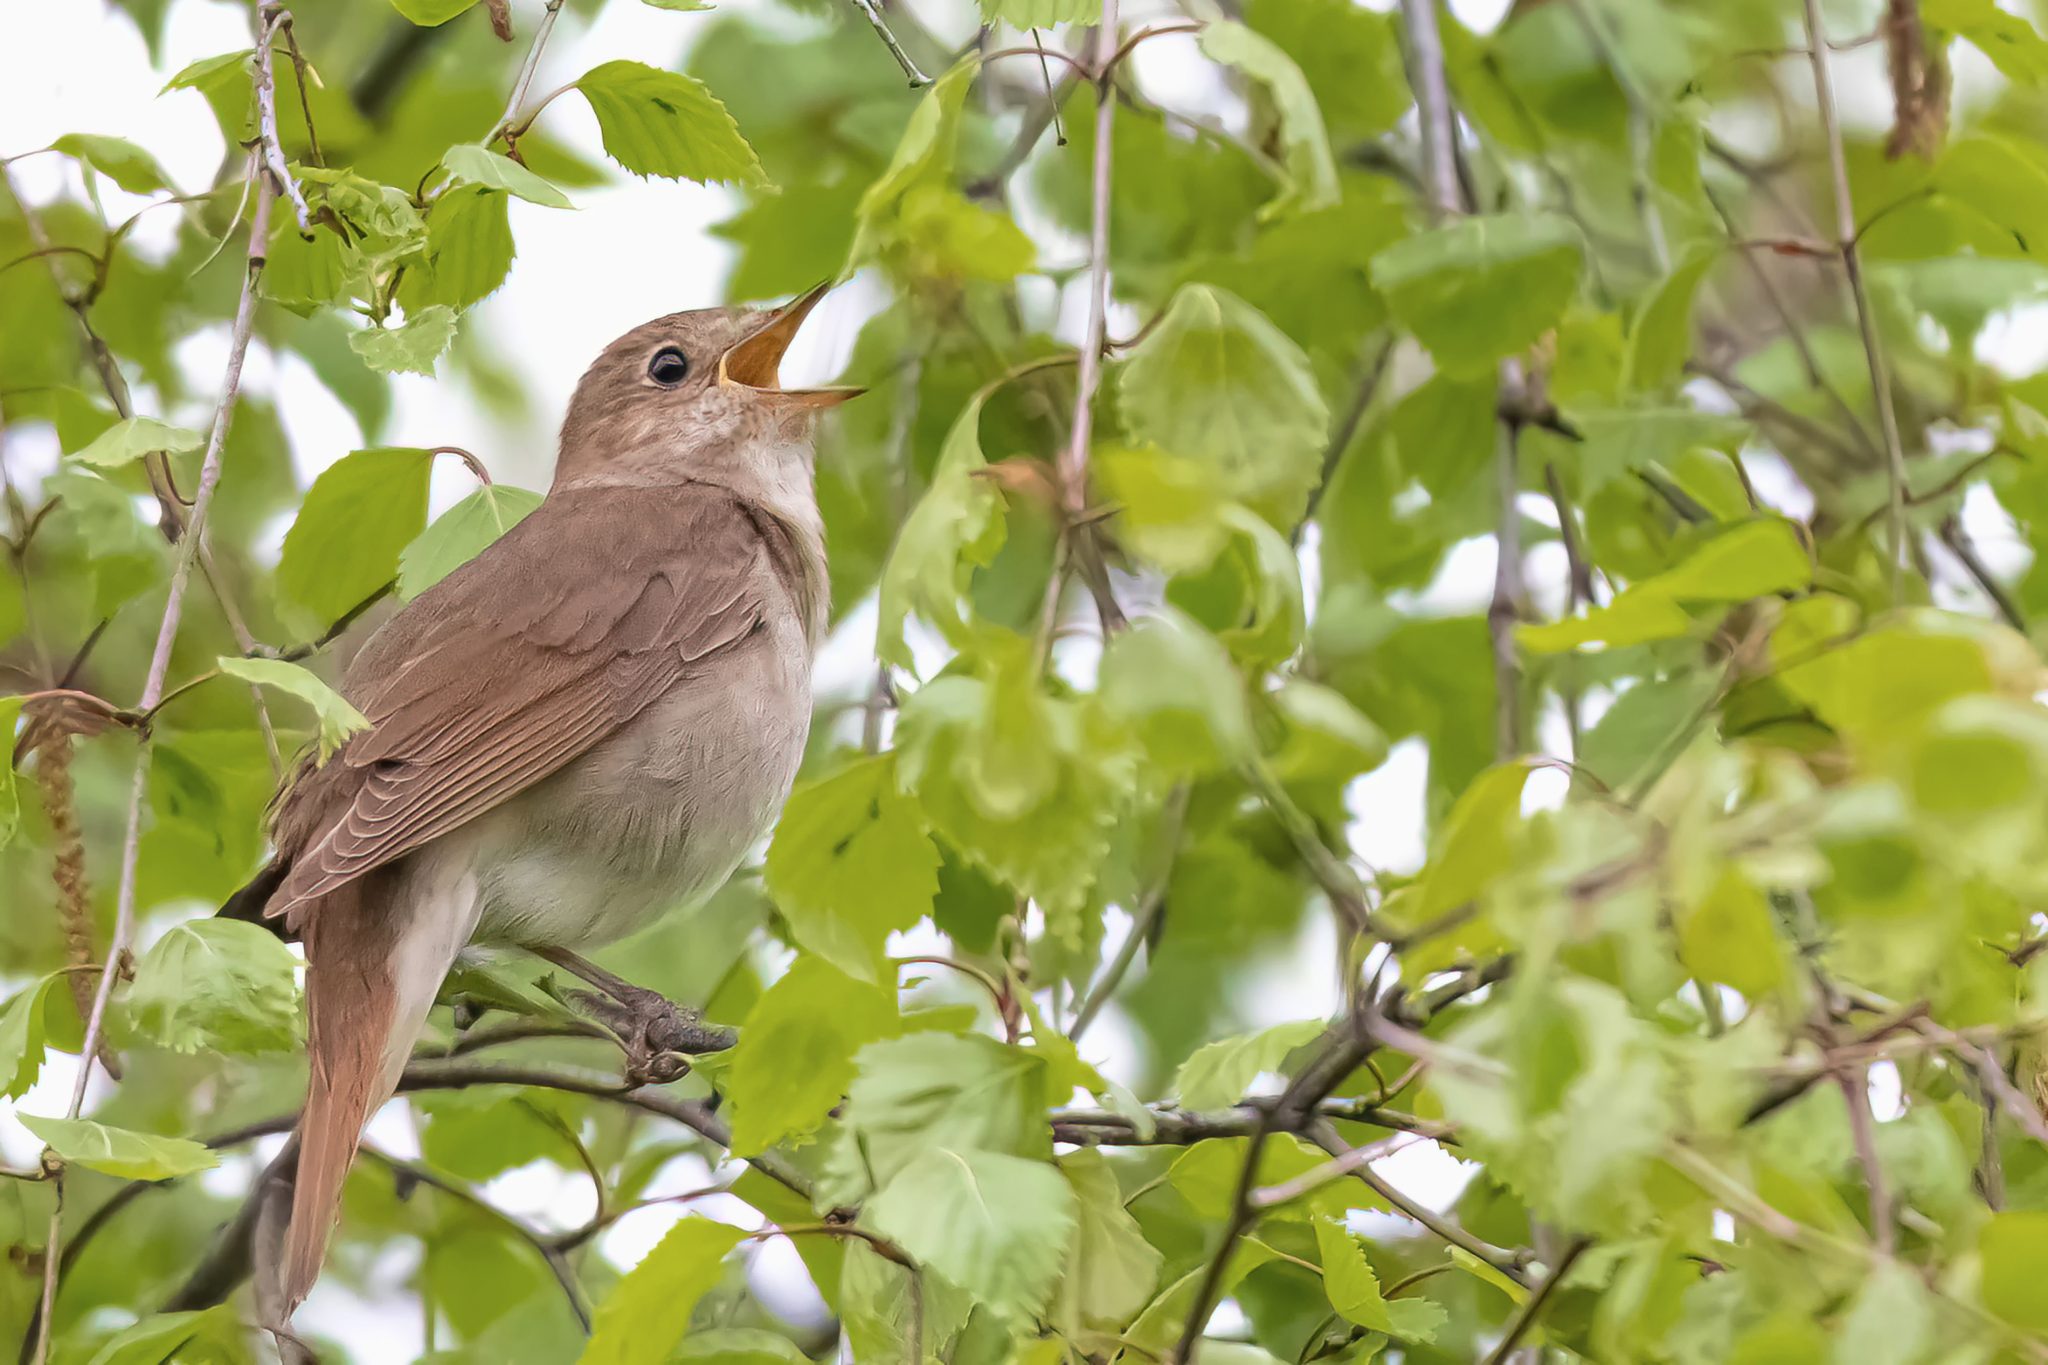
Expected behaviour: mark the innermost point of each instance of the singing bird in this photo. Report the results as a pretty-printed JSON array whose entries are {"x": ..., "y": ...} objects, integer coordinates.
[{"x": 583, "y": 727}]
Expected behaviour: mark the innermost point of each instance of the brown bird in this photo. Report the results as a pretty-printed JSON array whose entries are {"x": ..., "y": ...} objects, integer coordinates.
[{"x": 583, "y": 727}]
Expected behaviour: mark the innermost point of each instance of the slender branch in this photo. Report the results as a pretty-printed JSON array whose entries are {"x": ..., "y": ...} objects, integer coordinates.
[
  {"x": 269, "y": 19},
  {"x": 1866, "y": 318},
  {"x": 1532, "y": 1307},
  {"x": 1965, "y": 550},
  {"x": 153, "y": 685},
  {"x": 872, "y": 12},
  {"x": 1331, "y": 1171},
  {"x": 524, "y": 81},
  {"x": 1855, "y": 1087},
  {"x": 1073, "y": 466},
  {"x": 1146, "y": 915}
]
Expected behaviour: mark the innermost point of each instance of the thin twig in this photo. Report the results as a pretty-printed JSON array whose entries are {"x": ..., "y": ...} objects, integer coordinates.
[
  {"x": 153, "y": 686},
  {"x": 1073, "y": 468},
  {"x": 1965, "y": 550},
  {"x": 1855, "y": 1087},
  {"x": 1866, "y": 318},
  {"x": 269, "y": 19},
  {"x": 872, "y": 12},
  {"x": 1532, "y": 1307},
  {"x": 524, "y": 81}
]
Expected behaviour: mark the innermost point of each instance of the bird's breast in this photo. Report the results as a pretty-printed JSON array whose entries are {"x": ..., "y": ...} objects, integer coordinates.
[{"x": 658, "y": 815}]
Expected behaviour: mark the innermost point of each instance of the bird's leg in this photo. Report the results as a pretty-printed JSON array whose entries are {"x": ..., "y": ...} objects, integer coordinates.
[{"x": 653, "y": 1028}]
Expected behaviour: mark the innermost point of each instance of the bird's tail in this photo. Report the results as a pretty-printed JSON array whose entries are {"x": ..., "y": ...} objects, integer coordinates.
[{"x": 374, "y": 963}]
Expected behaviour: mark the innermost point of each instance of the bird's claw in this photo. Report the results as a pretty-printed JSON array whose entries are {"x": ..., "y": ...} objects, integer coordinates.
[{"x": 658, "y": 1035}]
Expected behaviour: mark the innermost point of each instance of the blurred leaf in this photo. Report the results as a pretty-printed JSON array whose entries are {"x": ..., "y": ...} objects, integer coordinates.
[
  {"x": 117, "y": 1151},
  {"x": 118, "y": 159},
  {"x": 1218, "y": 1075},
  {"x": 134, "y": 437},
  {"x": 1215, "y": 381},
  {"x": 2014, "y": 46},
  {"x": 1111, "y": 1270},
  {"x": 1305, "y": 147},
  {"x": 430, "y": 13},
  {"x": 953, "y": 528},
  {"x": 642, "y": 1321},
  {"x": 217, "y": 985},
  {"x": 1174, "y": 685},
  {"x": 1481, "y": 288}
]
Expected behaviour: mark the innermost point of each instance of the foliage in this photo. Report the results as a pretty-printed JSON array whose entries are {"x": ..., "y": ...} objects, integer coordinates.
[{"x": 1721, "y": 971}]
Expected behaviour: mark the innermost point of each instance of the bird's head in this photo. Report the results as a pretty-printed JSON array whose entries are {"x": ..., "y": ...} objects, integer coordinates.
[{"x": 694, "y": 395}]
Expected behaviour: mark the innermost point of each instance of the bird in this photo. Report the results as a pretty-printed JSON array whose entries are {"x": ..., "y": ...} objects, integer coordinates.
[{"x": 583, "y": 727}]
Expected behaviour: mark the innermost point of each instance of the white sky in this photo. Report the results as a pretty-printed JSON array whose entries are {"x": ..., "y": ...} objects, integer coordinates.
[{"x": 640, "y": 248}]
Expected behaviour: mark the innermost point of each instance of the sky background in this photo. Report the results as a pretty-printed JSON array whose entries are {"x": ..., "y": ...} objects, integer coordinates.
[{"x": 632, "y": 249}]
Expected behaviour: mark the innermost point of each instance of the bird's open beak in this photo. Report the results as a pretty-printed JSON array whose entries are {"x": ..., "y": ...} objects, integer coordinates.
[{"x": 755, "y": 360}]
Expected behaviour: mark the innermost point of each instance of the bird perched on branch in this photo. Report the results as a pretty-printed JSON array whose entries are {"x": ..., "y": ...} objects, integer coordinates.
[{"x": 586, "y": 725}]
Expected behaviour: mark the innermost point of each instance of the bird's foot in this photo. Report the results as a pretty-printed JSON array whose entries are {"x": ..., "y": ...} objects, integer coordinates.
[{"x": 659, "y": 1036}]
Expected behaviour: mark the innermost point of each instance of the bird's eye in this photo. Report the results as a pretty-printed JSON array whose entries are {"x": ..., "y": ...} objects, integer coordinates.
[{"x": 669, "y": 367}]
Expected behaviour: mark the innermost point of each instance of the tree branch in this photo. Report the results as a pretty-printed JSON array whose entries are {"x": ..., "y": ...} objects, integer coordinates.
[{"x": 1859, "y": 293}]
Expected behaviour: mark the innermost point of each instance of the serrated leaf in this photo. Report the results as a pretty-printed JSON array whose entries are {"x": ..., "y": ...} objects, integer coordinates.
[
  {"x": 217, "y": 985},
  {"x": 468, "y": 255},
  {"x": 460, "y": 534},
  {"x": 481, "y": 166},
  {"x": 1480, "y": 289},
  {"x": 21, "y": 1037},
  {"x": 1111, "y": 1270},
  {"x": 642, "y": 1321},
  {"x": 663, "y": 123},
  {"x": 996, "y": 1225},
  {"x": 913, "y": 1094},
  {"x": 795, "y": 1056},
  {"x": 132, "y": 438},
  {"x": 1305, "y": 145},
  {"x": 1354, "y": 1291},
  {"x": 357, "y": 518},
  {"x": 119, "y": 160},
  {"x": 118, "y": 1151},
  {"x": 410, "y": 348},
  {"x": 1217, "y": 382},
  {"x": 923, "y": 156},
  {"x": 337, "y": 718},
  {"x": 953, "y": 528},
  {"x": 1218, "y": 1074},
  {"x": 851, "y": 863},
  {"x": 1175, "y": 686}
]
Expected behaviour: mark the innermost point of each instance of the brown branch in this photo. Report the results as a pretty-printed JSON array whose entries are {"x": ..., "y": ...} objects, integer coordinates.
[
  {"x": 1859, "y": 293},
  {"x": 1965, "y": 550},
  {"x": 1532, "y": 1307},
  {"x": 1073, "y": 466},
  {"x": 1855, "y": 1087},
  {"x": 1920, "y": 83}
]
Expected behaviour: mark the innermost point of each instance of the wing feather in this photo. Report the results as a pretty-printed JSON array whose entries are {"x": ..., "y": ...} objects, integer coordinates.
[{"x": 560, "y": 633}]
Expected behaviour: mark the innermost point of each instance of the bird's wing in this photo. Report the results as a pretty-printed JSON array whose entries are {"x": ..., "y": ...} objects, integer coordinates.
[{"x": 549, "y": 641}]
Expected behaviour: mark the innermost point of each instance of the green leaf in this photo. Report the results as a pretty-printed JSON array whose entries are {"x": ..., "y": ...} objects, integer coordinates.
[
  {"x": 1892, "y": 1320},
  {"x": 1354, "y": 1291},
  {"x": 795, "y": 1056},
  {"x": 1305, "y": 147},
  {"x": 953, "y": 528},
  {"x": 1111, "y": 1270},
  {"x": 1175, "y": 686},
  {"x": 460, "y": 534},
  {"x": 1170, "y": 510},
  {"x": 132, "y": 438},
  {"x": 410, "y": 348},
  {"x": 10, "y": 798},
  {"x": 117, "y": 1151},
  {"x": 1217, "y": 382},
  {"x": 1041, "y": 13},
  {"x": 431, "y": 13},
  {"x": 663, "y": 123},
  {"x": 643, "y": 1320},
  {"x": 851, "y": 863},
  {"x": 1351, "y": 56},
  {"x": 358, "y": 517},
  {"x": 1728, "y": 937},
  {"x": 1660, "y": 339},
  {"x": 218, "y": 985},
  {"x": 481, "y": 166},
  {"x": 1219, "y": 1074},
  {"x": 21, "y": 1037},
  {"x": 996, "y": 1225},
  {"x": 734, "y": 1345},
  {"x": 1481, "y": 289},
  {"x": 338, "y": 720},
  {"x": 2011, "y": 1247},
  {"x": 1477, "y": 843},
  {"x": 118, "y": 159},
  {"x": 2014, "y": 46},
  {"x": 469, "y": 254},
  {"x": 208, "y": 1335},
  {"x": 923, "y": 156},
  {"x": 1754, "y": 559},
  {"x": 914, "y": 1094},
  {"x": 684, "y": 7}
]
